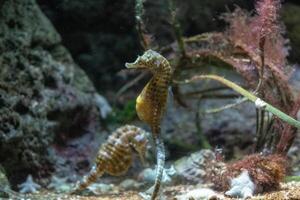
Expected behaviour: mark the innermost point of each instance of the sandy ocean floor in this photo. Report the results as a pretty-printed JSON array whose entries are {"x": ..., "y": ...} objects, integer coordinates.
[{"x": 288, "y": 191}]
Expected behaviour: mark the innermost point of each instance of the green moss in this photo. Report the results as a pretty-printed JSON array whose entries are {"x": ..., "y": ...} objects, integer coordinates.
[
  {"x": 292, "y": 178},
  {"x": 124, "y": 115},
  {"x": 4, "y": 184}
]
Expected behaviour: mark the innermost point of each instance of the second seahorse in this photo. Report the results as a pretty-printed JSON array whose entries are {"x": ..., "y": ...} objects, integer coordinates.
[{"x": 115, "y": 155}]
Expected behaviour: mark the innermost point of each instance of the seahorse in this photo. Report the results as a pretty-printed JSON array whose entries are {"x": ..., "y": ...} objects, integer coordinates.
[
  {"x": 152, "y": 101},
  {"x": 115, "y": 155}
]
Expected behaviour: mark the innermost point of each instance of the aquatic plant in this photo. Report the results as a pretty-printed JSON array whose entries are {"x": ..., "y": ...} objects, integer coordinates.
[
  {"x": 266, "y": 172},
  {"x": 255, "y": 47},
  {"x": 122, "y": 115},
  {"x": 115, "y": 155}
]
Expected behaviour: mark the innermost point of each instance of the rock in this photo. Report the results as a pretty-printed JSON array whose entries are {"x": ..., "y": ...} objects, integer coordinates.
[
  {"x": 291, "y": 18},
  {"x": 100, "y": 44},
  {"x": 103, "y": 105},
  {"x": 199, "y": 194},
  {"x": 192, "y": 168},
  {"x": 130, "y": 184},
  {"x": 45, "y": 98},
  {"x": 231, "y": 129},
  {"x": 148, "y": 175},
  {"x": 4, "y": 184},
  {"x": 100, "y": 188}
]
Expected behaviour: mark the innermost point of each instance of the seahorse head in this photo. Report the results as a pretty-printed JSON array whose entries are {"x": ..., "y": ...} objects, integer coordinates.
[{"x": 149, "y": 60}]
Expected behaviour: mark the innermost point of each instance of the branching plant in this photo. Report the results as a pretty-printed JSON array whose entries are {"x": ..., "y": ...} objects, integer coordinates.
[{"x": 255, "y": 47}]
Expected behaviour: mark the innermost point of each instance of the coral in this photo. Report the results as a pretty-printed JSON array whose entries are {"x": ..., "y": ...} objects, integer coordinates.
[
  {"x": 241, "y": 186},
  {"x": 266, "y": 172},
  {"x": 29, "y": 186},
  {"x": 59, "y": 184}
]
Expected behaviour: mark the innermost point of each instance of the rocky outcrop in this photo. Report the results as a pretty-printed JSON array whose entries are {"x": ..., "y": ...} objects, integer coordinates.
[{"x": 45, "y": 98}]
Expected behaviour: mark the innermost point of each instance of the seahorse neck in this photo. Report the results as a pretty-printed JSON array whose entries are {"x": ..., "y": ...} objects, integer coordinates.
[{"x": 162, "y": 74}]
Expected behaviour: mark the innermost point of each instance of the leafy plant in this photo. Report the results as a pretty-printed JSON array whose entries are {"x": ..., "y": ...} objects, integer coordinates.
[{"x": 254, "y": 45}]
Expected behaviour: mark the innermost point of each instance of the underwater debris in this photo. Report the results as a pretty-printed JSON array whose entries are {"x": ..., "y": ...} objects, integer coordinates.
[
  {"x": 152, "y": 101},
  {"x": 241, "y": 186},
  {"x": 198, "y": 194},
  {"x": 100, "y": 188},
  {"x": 128, "y": 184},
  {"x": 115, "y": 155},
  {"x": 29, "y": 186},
  {"x": 59, "y": 184},
  {"x": 148, "y": 175}
]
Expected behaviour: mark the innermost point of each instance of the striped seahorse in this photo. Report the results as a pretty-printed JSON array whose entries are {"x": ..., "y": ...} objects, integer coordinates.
[
  {"x": 152, "y": 102},
  {"x": 115, "y": 155}
]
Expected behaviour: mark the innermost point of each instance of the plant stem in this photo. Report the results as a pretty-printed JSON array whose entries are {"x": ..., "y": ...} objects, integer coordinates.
[
  {"x": 228, "y": 106},
  {"x": 248, "y": 95},
  {"x": 177, "y": 29}
]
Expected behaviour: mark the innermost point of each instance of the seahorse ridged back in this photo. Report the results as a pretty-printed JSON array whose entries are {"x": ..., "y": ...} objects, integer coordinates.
[
  {"x": 152, "y": 101},
  {"x": 115, "y": 155}
]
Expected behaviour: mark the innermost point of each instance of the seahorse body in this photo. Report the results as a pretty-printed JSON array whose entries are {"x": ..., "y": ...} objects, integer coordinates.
[
  {"x": 115, "y": 156},
  {"x": 151, "y": 103}
]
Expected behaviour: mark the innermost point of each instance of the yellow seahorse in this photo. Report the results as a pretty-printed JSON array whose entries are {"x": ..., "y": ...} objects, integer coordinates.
[{"x": 152, "y": 102}]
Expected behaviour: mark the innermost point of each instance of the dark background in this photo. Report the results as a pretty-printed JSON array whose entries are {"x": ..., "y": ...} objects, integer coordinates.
[{"x": 101, "y": 35}]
